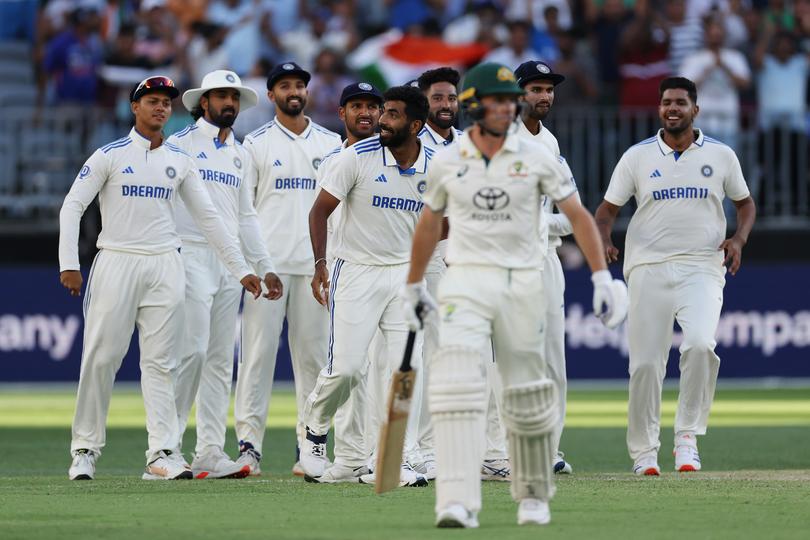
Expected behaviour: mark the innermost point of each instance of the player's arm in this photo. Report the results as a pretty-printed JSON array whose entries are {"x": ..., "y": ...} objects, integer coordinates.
[
  {"x": 325, "y": 204},
  {"x": 559, "y": 224},
  {"x": 746, "y": 215},
  {"x": 427, "y": 234},
  {"x": 605, "y": 217},
  {"x": 585, "y": 232},
  {"x": 621, "y": 188},
  {"x": 205, "y": 215},
  {"x": 91, "y": 178},
  {"x": 253, "y": 245}
]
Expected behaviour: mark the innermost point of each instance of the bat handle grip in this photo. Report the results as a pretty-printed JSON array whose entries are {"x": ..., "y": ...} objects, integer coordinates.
[{"x": 406, "y": 358}]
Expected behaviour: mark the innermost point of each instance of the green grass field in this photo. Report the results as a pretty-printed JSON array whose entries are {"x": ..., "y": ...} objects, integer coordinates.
[{"x": 755, "y": 483}]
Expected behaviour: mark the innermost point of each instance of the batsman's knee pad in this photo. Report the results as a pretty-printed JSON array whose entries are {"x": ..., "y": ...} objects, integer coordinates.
[
  {"x": 458, "y": 400},
  {"x": 530, "y": 412},
  {"x": 457, "y": 381}
]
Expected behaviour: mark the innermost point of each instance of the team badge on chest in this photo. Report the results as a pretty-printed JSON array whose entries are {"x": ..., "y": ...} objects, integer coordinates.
[
  {"x": 237, "y": 162},
  {"x": 706, "y": 170},
  {"x": 170, "y": 172},
  {"x": 518, "y": 169}
]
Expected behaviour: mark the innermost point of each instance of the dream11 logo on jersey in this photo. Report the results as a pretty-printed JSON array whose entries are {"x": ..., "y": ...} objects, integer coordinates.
[{"x": 492, "y": 200}]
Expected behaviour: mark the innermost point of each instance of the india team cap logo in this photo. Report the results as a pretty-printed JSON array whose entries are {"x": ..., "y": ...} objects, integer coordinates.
[
  {"x": 288, "y": 67},
  {"x": 542, "y": 68},
  {"x": 364, "y": 86},
  {"x": 230, "y": 78}
]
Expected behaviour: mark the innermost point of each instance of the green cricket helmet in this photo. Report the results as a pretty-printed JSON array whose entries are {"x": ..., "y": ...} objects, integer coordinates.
[{"x": 486, "y": 79}]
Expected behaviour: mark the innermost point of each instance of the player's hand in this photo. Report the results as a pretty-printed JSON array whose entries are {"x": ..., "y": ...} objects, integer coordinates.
[
  {"x": 611, "y": 252},
  {"x": 320, "y": 283},
  {"x": 252, "y": 284},
  {"x": 610, "y": 300},
  {"x": 72, "y": 281},
  {"x": 733, "y": 254},
  {"x": 274, "y": 286},
  {"x": 417, "y": 304}
]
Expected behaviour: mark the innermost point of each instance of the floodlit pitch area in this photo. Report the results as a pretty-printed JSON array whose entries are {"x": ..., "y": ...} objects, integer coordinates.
[{"x": 756, "y": 482}]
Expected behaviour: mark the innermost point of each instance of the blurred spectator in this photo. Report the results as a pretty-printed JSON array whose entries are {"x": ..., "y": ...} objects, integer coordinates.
[
  {"x": 322, "y": 29},
  {"x": 405, "y": 13},
  {"x": 18, "y": 20},
  {"x": 685, "y": 33},
  {"x": 643, "y": 57},
  {"x": 578, "y": 67},
  {"x": 241, "y": 19},
  {"x": 782, "y": 74},
  {"x": 734, "y": 20},
  {"x": 283, "y": 15},
  {"x": 535, "y": 11},
  {"x": 206, "y": 52},
  {"x": 607, "y": 21},
  {"x": 155, "y": 34},
  {"x": 719, "y": 73},
  {"x": 122, "y": 51},
  {"x": 72, "y": 59},
  {"x": 482, "y": 24},
  {"x": 545, "y": 41},
  {"x": 328, "y": 80},
  {"x": 780, "y": 15},
  {"x": 264, "y": 110},
  {"x": 517, "y": 48}
]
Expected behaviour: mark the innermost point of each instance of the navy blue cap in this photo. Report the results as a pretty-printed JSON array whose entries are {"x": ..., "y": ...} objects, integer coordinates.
[
  {"x": 535, "y": 69},
  {"x": 287, "y": 68},
  {"x": 359, "y": 89}
]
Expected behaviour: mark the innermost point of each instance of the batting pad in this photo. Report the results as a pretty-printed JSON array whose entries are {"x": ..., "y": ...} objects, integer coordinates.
[
  {"x": 458, "y": 401},
  {"x": 530, "y": 412}
]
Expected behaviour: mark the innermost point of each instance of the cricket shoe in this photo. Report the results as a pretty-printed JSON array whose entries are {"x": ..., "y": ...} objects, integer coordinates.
[
  {"x": 497, "y": 470},
  {"x": 313, "y": 455},
  {"x": 687, "y": 458},
  {"x": 163, "y": 467},
  {"x": 249, "y": 456},
  {"x": 83, "y": 466},
  {"x": 561, "y": 466},
  {"x": 455, "y": 516},
  {"x": 407, "y": 477},
  {"x": 426, "y": 468},
  {"x": 647, "y": 466},
  {"x": 339, "y": 473},
  {"x": 216, "y": 464},
  {"x": 533, "y": 512}
]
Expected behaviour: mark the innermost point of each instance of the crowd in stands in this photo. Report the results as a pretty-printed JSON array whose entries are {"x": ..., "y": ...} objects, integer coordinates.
[{"x": 743, "y": 54}]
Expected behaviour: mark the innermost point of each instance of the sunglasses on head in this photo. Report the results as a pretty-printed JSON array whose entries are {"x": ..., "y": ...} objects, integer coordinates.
[{"x": 155, "y": 82}]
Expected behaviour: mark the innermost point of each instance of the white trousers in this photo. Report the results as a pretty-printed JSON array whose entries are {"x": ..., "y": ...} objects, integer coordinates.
[
  {"x": 478, "y": 304},
  {"x": 692, "y": 295},
  {"x": 554, "y": 289},
  {"x": 364, "y": 299},
  {"x": 205, "y": 370},
  {"x": 125, "y": 291},
  {"x": 262, "y": 322}
]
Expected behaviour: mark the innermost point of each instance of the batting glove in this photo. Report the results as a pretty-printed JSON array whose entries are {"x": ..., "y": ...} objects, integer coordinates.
[
  {"x": 610, "y": 300},
  {"x": 417, "y": 304}
]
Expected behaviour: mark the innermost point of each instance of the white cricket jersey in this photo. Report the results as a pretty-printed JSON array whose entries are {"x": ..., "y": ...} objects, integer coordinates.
[
  {"x": 679, "y": 198},
  {"x": 381, "y": 202},
  {"x": 222, "y": 166},
  {"x": 137, "y": 190},
  {"x": 283, "y": 180},
  {"x": 494, "y": 209},
  {"x": 334, "y": 217},
  {"x": 552, "y": 225},
  {"x": 431, "y": 139}
]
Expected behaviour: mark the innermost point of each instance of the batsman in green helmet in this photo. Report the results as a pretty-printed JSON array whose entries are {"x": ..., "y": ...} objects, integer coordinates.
[{"x": 490, "y": 187}]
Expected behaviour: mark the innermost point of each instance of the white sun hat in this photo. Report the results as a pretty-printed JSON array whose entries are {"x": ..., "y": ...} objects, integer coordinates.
[{"x": 221, "y": 78}]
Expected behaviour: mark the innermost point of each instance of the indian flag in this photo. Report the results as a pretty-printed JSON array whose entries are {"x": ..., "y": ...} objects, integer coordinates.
[{"x": 393, "y": 58}]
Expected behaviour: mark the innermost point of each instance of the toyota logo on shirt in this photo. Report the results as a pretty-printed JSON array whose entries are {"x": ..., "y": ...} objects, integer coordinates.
[{"x": 491, "y": 198}]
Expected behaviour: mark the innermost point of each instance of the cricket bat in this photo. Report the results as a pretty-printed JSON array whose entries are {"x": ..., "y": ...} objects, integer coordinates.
[{"x": 392, "y": 432}]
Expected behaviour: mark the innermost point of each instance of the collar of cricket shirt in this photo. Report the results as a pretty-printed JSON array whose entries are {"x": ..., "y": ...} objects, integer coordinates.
[
  {"x": 140, "y": 140},
  {"x": 304, "y": 134},
  {"x": 438, "y": 139},
  {"x": 468, "y": 149},
  {"x": 212, "y": 131},
  {"x": 666, "y": 150},
  {"x": 419, "y": 166}
]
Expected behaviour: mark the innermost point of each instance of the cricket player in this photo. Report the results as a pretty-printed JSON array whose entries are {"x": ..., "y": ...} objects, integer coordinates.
[
  {"x": 440, "y": 86},
  {"x": 489, "y": 186},
  {"x": 360, "y": 109},
  {"x": 674, "y": 266},
  {"x": 539, "y": 82},
  {"x": 285, "y": 155},
  {"x": 137, "y": 278},
  {"x": 379, "y": 183},
  {"x": 212, "y": 295}
]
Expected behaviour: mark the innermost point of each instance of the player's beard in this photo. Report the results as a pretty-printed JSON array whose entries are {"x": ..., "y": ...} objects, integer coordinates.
[
  {"x": 535, "y": 113},
  {"x": 290, "y": 111},
  {"x": 361, "y": 132},
  {"x": 684, "y": 125},
  {"x": 393, "y": 138},
  {"x": 442, "y": 123},
  {"x": 221, "y": 119}
]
